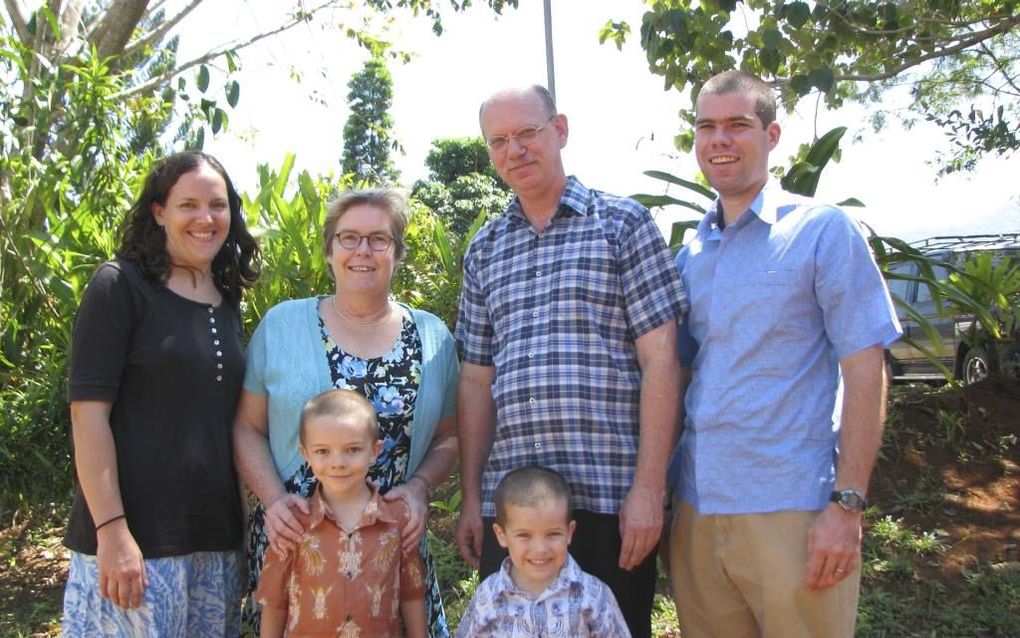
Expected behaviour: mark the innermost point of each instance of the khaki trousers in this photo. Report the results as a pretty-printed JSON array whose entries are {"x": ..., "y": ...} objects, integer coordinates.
[{"x": 743, "y": 575}]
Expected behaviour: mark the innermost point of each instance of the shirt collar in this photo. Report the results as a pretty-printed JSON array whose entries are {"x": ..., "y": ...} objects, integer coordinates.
[
  {"x": 569, "y": 575},
  {"x": 375, "y": 511},
  {"x": 574, "y": 200},
  {"x": 762, "y": 207}
]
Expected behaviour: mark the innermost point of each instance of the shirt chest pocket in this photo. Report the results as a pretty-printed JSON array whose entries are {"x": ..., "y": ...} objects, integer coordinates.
[{"x": 775, "y": 299}]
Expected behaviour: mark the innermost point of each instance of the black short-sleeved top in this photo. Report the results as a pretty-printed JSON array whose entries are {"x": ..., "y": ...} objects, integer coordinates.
[{"x": 173, "y": 369}]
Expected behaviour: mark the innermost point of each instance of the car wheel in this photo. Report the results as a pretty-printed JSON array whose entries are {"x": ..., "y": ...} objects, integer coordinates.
[
  {"x": 1011, "y": 362},
  {"x": 975, "y": 365}
]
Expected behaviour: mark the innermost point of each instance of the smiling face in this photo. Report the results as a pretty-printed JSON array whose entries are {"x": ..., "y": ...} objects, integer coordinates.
[
  {"x": 533, "y": 169},
  {"x": 732, "y": 146},
  {"x": 340, "y": 450},
  {"x": 537, "y": 537},
  {"x": 361, "y": 269},
  {"x": 195, "y": 218}
]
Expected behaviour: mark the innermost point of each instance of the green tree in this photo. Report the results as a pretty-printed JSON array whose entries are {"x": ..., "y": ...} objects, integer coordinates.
[
  {"x": 368, "y": 133},
  {"x": 461, "y": 183},
  {"x": 955, "y": 56}
]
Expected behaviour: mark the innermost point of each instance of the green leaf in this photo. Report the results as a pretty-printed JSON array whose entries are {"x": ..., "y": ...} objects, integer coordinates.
[
  {"x": 773, "y": 38},
  {"x": 823, "y": 78},
  {"x": 797, "y": 13},
  {"x": 801, "y": 84},
  {"x": 219, "y": 120},
  {"x": 673, "y": 179},
  {"x": 851, "y": 201},
  {"x": 203, "y": 78},
  {"x": 231, "y": 61},
  {"x": 233, "y": 93},
  {"x": 651, "y": 201}
]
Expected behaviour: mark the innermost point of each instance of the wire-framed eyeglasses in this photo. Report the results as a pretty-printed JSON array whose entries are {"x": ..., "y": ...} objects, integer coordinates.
[{"x": 524, "y": 136}]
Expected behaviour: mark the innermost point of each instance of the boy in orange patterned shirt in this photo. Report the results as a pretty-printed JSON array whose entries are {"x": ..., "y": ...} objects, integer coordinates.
[{"x": 348, "y": 577}]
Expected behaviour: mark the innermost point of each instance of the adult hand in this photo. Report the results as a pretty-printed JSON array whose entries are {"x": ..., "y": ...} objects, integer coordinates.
[
  {"x": 469, "y": 532},
  {"x": 834, "y": 547},
  {"x": 121, "y": 566},
  {"x": 283, "y": 529},
  {"x": 415, "y": 496},
  {"x": 640, "y": 525}
]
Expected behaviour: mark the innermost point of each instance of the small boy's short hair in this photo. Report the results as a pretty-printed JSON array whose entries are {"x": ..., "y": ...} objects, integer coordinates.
[
  {"x": 529, "y": 487},
  {"x": 339, "y": 404}
]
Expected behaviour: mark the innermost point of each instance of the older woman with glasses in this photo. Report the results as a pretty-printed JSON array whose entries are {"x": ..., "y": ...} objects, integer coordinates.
[{"x": 403, "y": 360}]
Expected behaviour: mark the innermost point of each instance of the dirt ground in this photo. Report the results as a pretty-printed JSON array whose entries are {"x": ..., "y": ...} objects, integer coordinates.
[{"x": 950, "y": 463}]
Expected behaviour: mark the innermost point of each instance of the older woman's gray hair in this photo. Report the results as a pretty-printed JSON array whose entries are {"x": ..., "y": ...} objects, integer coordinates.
[{"x": 390, "y": 201}]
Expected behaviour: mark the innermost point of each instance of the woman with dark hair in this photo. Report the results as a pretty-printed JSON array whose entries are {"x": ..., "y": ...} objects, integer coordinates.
[{"x": 156, "y": 368}]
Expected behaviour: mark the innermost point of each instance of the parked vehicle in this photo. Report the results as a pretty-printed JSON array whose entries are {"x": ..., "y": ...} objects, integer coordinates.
[{"x": 966, "y": 361}]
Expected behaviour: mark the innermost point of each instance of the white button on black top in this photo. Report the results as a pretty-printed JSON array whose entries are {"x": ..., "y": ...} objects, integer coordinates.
[
  {"x": 219, "y": 366},
  {"x": 214, "y": 330},
  {"x": 219, "y": 378},
  {"x": 212, "y": 319},
  {"x": 210, "y": 309},
  {"x": 216, "y": 342}
]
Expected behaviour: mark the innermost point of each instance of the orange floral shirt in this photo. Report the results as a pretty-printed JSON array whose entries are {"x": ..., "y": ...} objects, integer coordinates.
[{"x": 345, "y": 583}]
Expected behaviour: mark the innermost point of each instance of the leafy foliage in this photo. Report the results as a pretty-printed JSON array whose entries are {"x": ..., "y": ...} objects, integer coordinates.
[
  {"x": 462, "y": 184},
  {"x": 949, "y": 52},
  {"x": 368, "y": 133}
]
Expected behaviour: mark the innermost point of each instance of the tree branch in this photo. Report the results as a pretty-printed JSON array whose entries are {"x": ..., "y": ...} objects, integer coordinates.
[
  {"x": 157, "y": 34},
  {"x": 211, "y": 55},
  {"x": 118, "y": 23},
  {"x": 17, "y": 12},
  {"x": 975, "y": 38}
]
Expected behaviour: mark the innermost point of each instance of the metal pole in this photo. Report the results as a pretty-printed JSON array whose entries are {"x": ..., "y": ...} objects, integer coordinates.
[{"x": 549, "y": 66}]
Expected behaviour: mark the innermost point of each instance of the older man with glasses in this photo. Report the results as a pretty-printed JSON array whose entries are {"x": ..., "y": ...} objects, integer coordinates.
[{"x": 567, "y": 333}]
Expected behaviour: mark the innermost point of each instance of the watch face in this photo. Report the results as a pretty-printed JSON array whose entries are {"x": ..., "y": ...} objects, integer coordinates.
[{"x": 852, "y": 500}]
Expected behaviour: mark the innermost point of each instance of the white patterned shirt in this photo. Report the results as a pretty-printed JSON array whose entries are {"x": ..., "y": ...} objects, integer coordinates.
[{"x": 574, "y": 605}]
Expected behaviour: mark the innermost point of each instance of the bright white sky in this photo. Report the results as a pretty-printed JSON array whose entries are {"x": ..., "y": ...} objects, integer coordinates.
[{"x": 621, "y": 121}]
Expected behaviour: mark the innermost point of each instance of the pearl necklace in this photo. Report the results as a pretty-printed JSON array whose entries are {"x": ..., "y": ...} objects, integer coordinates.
[{"x": 363, "y": 324}]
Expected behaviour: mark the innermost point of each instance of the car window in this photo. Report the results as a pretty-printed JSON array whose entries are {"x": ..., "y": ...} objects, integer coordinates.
[
  {"x": 924, "y": 292},
  {"x": 900, "y": 287}
]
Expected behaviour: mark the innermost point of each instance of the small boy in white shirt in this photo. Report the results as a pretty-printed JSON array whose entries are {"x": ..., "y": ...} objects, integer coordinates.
[{"x": 539, "y": 590}]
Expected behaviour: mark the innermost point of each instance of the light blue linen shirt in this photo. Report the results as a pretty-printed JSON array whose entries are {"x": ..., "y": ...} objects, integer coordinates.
[{"x": 777, "y": 299}]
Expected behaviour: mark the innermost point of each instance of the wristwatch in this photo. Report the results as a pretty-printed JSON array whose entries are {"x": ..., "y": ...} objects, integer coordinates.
[{"x": 850, "y": 500}]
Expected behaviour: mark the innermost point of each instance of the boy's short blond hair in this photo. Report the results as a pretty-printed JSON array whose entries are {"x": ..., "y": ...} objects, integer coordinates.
[
  {"x": 530, "y": 487},
  {"x": 339, "y": 404}
]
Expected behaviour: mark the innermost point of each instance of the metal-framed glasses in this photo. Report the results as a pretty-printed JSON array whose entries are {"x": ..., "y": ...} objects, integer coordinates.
[
  {"x": 378, "y": 242},
  {"x": 524, "y": 135}
]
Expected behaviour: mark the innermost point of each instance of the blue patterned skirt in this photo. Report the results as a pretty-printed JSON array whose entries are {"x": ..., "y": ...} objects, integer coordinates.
[{"x": 196, "y": 594}]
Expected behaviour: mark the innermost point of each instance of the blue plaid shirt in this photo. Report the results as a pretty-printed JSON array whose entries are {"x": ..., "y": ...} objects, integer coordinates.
[{"x": 557, "y": 312}]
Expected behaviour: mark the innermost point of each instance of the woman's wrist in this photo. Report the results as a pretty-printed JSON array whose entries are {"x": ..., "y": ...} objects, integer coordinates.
[{"x": 422, "y": 481}]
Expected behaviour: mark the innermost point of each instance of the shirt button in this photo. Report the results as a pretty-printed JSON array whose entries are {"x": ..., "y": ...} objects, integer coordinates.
[
  {"x": 219, "y": 353},
  {"x": 535, "y": 314},
  {"x": 219, "y": 377},
  {"x": 216, "y": 342},
  {"x": 531, "y": 355},
  {"x": 214, "y": 330},
  {"x": 212, "y": 319},
  {"x": 532, "y": 401},
  {"x": 219, "y": 366},
  {"x": 210, "y": 309},
  {"x": 538, "y": 446},
  {"x": 538, "y": 273}
]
